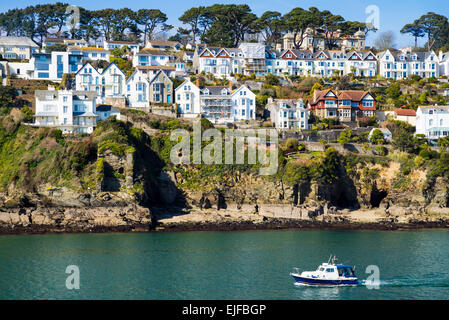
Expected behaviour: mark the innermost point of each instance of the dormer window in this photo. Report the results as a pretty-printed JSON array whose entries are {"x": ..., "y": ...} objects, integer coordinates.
[
  {"x": 402, "y": 58},
  {"x": 387, "y": 57},
  {"x": 288, "y": 55},
  {"x": 206, "y": 92},
  {"x": 414, "y": 57},
  {"x": 232, "y": 54},
  {"x": 224, "y": 92}
]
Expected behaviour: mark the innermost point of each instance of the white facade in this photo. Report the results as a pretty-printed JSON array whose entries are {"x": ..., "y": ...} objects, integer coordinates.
[
  {"x": 52, "y": 66},
  {"x": 432, "y": 121},
  {"x": 218, "y": 104},
  {"x": 401, "y": 65},
  {"x": 69, "y": 111},
  {"x": 152, "y": 57},
  {"x": 107, "y": 83},
  {"x": 443, "y": 59},
  {"x": 111, "y": 45},
  {"x": 188, "y": 100},
  {"x": 90, "y": 53},
  {"x": 288, "y": 114}
]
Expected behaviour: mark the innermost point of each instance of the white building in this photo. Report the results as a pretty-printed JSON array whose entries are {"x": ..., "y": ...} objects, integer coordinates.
[
  {"x": 105, "y": 111},
  {"x": 111, "y": 45},
  {"x": 288, "y": 114},
  {"x": 107, "y": 83},
  {"x": 219, "y": 104},
  {"x": 403, "y": 64},
  {"x": 69, "y": 111},
  {"x": 17, "y": 47},
  {"x": 432, "y": 121},
  {"x": 52, "y": 66},
  {"x": 163, "y": 45},
  {"x": 152, "y": 57},
  {"x": 91, "y": 53},
  {"x": 443, "y": 59},
  {"x": 144, "y": 89}
]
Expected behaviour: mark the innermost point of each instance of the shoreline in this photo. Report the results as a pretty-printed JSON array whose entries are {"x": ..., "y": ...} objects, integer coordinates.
[{"x": 230, "y": 225}]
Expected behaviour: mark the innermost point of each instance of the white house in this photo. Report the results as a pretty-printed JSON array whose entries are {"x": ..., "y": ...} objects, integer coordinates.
[
  {"x": 17, "y": 47},
  {"x": 219, "y": 104},
  {"x": 152, "y": 57},
  {"x": 143, "y": 89},
  {"x": 163, "y": 45},
  {"x": 403, "y": 64},
  {"x": 443, "y": 59},
  {"x": 288, "y": 114},
  {"x": 107, "y": 83},
  {"x": 432, "y": 121},
  {"x": 69, "y": 111},
  {"x": 188, "y": 100},
  {"x": 51, "y": 66},
  {"x": 91, "y": 53},
  {"x": 105, "y": 111},
  {"x": 111, "y": 45}
]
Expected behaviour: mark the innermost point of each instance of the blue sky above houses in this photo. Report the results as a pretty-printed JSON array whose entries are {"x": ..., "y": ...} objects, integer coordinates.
[{"x": 393, "y": 15}]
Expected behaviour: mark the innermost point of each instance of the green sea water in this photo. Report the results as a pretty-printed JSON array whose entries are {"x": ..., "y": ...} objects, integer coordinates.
[{"x": 221, "y": 265}]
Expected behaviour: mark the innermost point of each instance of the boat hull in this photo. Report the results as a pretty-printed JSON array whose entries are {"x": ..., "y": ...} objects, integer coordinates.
[{"x": 325, "y": 282}]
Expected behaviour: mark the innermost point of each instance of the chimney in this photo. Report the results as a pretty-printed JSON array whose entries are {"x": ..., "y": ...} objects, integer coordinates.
[
  {"x": 197, "y": 83},
  {"x": 440, "y": 55},
  {"x": 230, "y": 85},
  {"x": 51, "y": 87},
  {"x": 270, "y": 100}
]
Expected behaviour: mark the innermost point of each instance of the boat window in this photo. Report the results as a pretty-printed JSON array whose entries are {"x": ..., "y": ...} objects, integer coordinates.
[
  {"x": 321, "y": 269},
  {"x": 346, "y": 272},
  {"x": 330, "y": 270}
]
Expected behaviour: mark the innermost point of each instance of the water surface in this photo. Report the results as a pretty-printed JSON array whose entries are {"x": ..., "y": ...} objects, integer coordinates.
[{"x": 221, "y": 265}]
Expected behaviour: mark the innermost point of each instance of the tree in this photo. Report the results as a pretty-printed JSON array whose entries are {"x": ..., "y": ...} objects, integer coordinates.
[
  {"x": 7, "y": 96},
  {"x": 151, "y": 19},
  {"x": 271, "y": 26},
  {"x": 230, "y": 24},
  {"x": 385, "y": 41},
  {"x": 297, "y": 21},
  {"x": 435, "y": 26},
  {"x": 192, "y": 17},
  {"x": 271, "y": 79},
  {"x": 345, "y": 136},
  {"x": 331, "y": 24},
  {"x": 377, "y": 137},
  {"x": 403, "y": 140},
  {"x": 415, "y": 29},
  {"x": 393, "y": 91}
]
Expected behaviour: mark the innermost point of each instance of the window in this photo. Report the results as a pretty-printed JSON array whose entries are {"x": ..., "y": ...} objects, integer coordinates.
[
  {"x": 330, "y": 270},
  {"x": 187, "y": 106},
  {"x": 66, "y": 109}
]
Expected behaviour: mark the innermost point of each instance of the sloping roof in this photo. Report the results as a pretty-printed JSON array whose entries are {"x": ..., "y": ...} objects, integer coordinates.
[
  {"x": 154, "y": 52},
  {"x": 405, "y": 112},
  {"x": 156, "y": 68},
  {"x": 353, "y": 95},
  {"x": 215, "y": 90},
  {"x": 18, "y": 41},
  {"x": 122, "y": 42},
  {"x": 163, "y": 43}
]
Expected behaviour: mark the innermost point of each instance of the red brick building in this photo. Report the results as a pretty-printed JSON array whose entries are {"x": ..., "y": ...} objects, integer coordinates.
[{"x": 344, "y": 105}]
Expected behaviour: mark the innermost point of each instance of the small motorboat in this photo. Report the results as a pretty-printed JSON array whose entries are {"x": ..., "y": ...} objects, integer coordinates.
[{"x": 327, "y": 274}]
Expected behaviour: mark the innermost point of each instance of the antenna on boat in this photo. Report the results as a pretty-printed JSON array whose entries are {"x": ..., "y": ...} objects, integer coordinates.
[{"x": 328, "y": 261}]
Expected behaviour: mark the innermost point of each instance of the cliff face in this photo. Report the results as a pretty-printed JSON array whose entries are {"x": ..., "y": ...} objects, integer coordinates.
[{"x": 364, "y": 187}]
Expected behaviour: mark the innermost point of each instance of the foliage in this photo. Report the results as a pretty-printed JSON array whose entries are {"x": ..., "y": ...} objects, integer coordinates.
[{"x": 377, "y": 137}]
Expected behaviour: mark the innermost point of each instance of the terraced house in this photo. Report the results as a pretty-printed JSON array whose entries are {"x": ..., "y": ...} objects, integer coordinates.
[
  {"x": 344, "y": 105},
  {"x": 142, "y": 90},
  {"x": 402, "y": 64},
  {"x": 108, "y": 83},
  {"x": 325, "y": 63},
  {"x": 152, "y": 57},
  {"x": 52, "y": 66},
  {"x": 432, "y": 121}
]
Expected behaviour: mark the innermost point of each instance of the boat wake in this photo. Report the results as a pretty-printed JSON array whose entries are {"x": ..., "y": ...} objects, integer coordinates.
[{"x": 436, "y": 283}]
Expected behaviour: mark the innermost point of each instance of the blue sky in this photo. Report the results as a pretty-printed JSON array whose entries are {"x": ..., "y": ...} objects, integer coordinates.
[{"x": 394, "y": 14}]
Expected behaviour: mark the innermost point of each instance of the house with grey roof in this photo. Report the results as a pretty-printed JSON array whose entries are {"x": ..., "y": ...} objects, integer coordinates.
[
  {"x": 70, "y": 111},
  {"x": 402, "y": 64},
  {"x": 219, "y": 104},
  {"x": 288, "y": 114},
  {"x": 17, "y": 47}
]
